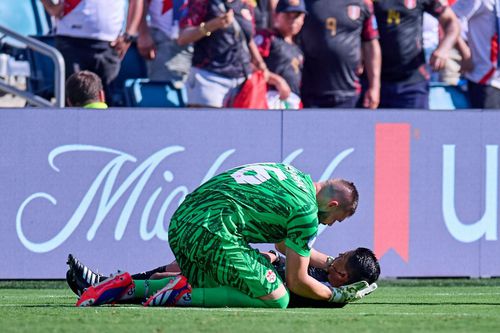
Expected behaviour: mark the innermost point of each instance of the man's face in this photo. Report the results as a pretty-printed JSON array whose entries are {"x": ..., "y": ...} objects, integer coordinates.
[
  {"x": 330, "y": 215},
  {"x": 337, "y": 272}
]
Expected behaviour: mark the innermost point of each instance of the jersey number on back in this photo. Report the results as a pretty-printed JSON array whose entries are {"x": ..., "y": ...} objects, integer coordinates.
[{"x": 259, "y": 174}]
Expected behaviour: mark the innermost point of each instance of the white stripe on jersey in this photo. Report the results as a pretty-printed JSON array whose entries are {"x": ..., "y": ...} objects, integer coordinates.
[
  {"x": 96, "y": 19},
  {"x": 481, "y": 29}
]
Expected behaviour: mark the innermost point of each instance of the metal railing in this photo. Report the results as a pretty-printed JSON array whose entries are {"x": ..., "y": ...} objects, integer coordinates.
[{"x": 59, "y": 72}]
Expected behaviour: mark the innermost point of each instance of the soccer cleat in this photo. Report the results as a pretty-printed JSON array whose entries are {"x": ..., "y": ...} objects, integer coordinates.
[
  {"x": 79, "y": 277},
  {"x": 176, "y": 292},
  {"x": 107, "y": 291}
]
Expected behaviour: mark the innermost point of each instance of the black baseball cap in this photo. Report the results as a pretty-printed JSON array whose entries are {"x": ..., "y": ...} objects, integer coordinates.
[{"x": 290, "y": 6}]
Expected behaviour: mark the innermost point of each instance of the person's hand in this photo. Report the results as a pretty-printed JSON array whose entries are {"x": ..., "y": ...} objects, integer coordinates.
[
  {"x": 283, "y": 88},
  {"x": 359, "y": 69},
  {"x": 267, "y": 74},
  {"x": 221, "y": 22},
  {"x": 371, "y": 99},
  {"x": 466, "y": 65},
  {"x": 438, "y": 59},
  {"x": 352, "y": 292},
  {"x": 121, "y": 45},
  {"x": 146, "y": 46}
]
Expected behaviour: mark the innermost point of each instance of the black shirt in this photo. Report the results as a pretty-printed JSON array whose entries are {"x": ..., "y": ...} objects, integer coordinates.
[
  {"x": 331, "y": 42},
  {"x": 223, "y": 51},
  {"x": 281, "y": 57},
  {"x": 400, "y": 29}
]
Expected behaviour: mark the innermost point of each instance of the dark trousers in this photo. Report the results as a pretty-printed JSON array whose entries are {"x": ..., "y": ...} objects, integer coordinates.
[
  {"x": 483, "y": 96},
  {"x": 402, "y": 95},
  {"x": 92, "y": 55},
  {"x": 337, "y": 102}
]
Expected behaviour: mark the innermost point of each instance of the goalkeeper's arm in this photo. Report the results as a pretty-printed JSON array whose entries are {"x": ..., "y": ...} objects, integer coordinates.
[{"x": 299, "y": 281}]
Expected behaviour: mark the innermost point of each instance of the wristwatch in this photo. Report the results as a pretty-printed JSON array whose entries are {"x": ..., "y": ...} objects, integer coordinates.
[{"x": 128, "y": 37}]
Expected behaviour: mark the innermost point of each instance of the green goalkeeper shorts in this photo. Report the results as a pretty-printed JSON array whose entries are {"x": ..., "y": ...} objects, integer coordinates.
[{"x": 208, "y": 261}]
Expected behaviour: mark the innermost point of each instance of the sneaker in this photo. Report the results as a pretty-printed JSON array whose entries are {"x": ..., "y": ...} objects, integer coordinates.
[
  {"x": 176, "y": 292},
  {"x": 79, "y": 277},
  {"x": 107, "y": 291}
]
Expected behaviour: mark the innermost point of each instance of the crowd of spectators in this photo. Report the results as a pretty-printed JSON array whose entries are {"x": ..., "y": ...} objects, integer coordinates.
[{"x": 314, "y": 53}]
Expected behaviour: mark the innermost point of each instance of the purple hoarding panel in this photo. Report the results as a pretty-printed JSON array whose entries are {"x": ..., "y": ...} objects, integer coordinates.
[
  {"x": 103, "y": 185},
  {"x": 420, "y": 233},
  {"x": 487, "y": 221}
]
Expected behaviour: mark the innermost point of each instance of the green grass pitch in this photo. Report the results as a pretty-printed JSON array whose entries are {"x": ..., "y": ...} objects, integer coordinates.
[{"x": 397, "y": 306}]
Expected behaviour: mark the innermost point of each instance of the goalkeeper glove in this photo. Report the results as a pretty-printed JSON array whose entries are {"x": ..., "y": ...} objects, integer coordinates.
[{"x": 352, "y": 292}]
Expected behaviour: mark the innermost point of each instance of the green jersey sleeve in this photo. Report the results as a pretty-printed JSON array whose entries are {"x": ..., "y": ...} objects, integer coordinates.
[{"x": 302, "y": 231}]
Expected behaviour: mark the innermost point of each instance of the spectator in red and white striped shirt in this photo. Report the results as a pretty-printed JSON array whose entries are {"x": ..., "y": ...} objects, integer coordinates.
[{"x": 482, "y": 36}]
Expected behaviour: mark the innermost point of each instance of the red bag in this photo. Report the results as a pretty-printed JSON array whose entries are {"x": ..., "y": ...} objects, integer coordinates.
[{"x": 253, "y": 93}]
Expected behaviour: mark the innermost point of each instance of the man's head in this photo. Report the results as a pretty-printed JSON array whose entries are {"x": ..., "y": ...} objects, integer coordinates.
[
  {"x": 289, "y": 16},
  {"x": 352, "y": 266},
  {"x": 337, "y": 200},
  {"x": 83, "y": 88}
]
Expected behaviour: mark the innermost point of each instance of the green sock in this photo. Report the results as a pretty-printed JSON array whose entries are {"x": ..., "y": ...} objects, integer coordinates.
[
  {"x": 144, "y": 288},
  {"x": 231, "y": 297}
]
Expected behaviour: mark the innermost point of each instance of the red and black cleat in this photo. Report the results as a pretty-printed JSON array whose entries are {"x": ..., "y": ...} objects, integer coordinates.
[
  {"x": 176, "y": 292},
  {"x": 107, "y": 291}
]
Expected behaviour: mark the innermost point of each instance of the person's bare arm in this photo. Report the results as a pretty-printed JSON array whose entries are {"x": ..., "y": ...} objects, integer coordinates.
[
  {"x": 134, "y": 17},
  {"x": 55, "y": 10},
  {"x": 451, "y": 30},
  {"x": 317, "y": 259},
  {"x": 193, "y": 34},
  {"x": 145, "y": 43},
  {"x": 372, "y": 60},
  {"x": 171, "y": 269},
  {"x": 281, "y": 247},
  {"x": 280, "y": 84},
  {"x": 466, "y": 63},
  {"x": 299, "y": 282}
]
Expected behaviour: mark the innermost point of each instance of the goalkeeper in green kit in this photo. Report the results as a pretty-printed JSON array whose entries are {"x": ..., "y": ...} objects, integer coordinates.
[{"x": 210, "y": 233}]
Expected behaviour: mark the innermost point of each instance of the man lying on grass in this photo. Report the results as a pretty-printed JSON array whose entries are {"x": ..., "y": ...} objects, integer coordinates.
[{"x": 162, "y": 287}]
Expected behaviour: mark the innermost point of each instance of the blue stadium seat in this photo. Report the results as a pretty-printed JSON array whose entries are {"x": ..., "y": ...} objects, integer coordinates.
[
  {"x": 145, "y": 93},
  {"x": 133, "y": 66},
  {"x": 445, "y": 97}
]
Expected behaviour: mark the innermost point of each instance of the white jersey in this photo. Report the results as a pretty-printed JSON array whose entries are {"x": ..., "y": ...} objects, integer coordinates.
[
  {"x": 94, "y": 19},
  {"x": 482, "y": 39},
  {"x": 165, "y": 16}
]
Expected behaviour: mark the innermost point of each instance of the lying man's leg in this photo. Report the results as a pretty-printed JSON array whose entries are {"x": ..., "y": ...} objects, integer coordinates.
[
  {"x": 80, "y": 277},
  {"x": 174, "y": 291},
  {"x": 121, "y": 288},
  {"x": 217, "y": 297}
]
